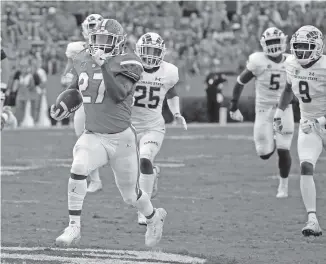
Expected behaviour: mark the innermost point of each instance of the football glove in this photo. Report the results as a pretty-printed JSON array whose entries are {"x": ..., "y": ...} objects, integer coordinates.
[
  {"x": 180, "y": 119},
  {"x": 99, "y": 57},
  {"x": 67, "y": 79},
  {"x": 54, "y": 113},
  {"x": 307, "y": 126},
  {"x": 235, "y": 113},
  {"x": 277, "y": 121}
]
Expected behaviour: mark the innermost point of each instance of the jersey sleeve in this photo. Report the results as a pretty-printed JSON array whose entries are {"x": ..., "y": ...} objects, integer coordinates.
[
  {"x": 253, "y": 64},
  {"x": 132, "y": 69},
  {"x": 173, "y": 76}
]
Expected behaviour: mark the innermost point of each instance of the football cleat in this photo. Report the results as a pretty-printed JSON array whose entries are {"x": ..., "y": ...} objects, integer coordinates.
[
  {"x": 141, "y": 219},
  {"x": 157, "y": 176},
  {"x": 70, "y": 236},
  {"x": 155, "y": 227},
  {"x": 282, "y": 191},
  {"x": 312, "y": 228},
  {"x": 94, "y": 186}
]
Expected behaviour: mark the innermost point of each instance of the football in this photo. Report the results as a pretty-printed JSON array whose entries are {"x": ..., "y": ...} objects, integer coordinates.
[{"x": 70, "y": 100}]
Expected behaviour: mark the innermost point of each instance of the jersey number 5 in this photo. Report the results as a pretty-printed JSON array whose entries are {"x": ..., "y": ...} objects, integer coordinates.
[
  {"x": 83, "y": 83},
  {"x": 152, "y": 97},
  {"x": 274, "y": 84},
  {"x": 304, "y": 90}
]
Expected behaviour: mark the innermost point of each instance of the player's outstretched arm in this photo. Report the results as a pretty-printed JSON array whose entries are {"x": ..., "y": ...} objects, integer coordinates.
[
  {"x": 173, "y": 101},
  {"x": 242, "y": 79},
  {"x": 285, "y": 100}
]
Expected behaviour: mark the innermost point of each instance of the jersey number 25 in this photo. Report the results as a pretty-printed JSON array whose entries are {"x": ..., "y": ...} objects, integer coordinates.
[
  {"x": 83, "y": 83},
  {"x": 153, "y": 99}
]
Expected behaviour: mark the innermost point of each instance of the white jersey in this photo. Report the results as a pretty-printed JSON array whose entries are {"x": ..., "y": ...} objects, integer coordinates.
[
  {"x": 149, "y": 95},
  {"x": 309, "y": 86},
  {"x": 73, "y": 48},
  {"x": 270, "y": 78}
]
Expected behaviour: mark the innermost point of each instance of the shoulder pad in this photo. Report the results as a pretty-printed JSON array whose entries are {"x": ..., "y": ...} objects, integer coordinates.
[
  {"x": 257, "y": 57},
  {"x": 131, "y": 67},
  {"x": 73, "y": 48},
  {"x": 172, "y": 73}
]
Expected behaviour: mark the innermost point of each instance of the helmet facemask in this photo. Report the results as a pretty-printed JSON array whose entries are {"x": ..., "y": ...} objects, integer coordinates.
[
  {"x": 306, "y": 51},
  {"x": 111, "y": 44},
  {"x": 151, "y": 55},
  {"x": 307, "y": 44},
  {"x": 274, "y": 46}
]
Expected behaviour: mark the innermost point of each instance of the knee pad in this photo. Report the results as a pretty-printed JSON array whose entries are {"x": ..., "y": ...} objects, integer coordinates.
[
  {"x": 146, "y": 166},
  {"x": 267, "y": 156},
  {"x": 307, "y": 168},
  {"x": 79, "y": 168}
]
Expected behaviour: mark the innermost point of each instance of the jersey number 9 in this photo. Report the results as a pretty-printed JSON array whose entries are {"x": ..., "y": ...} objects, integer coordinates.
[{"x": 304, "y": 90}]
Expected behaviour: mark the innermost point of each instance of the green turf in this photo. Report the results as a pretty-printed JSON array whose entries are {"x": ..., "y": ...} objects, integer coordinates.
[{"x": 220, "y": 199}]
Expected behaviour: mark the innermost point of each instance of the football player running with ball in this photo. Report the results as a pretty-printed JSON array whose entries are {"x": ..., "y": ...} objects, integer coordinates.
[
  {"x": 106, "y": 78},
  {"x": 268, "y": 69},
  {"x": 306, "y": 79},
  {"x": 73, "y": 49},
  {"x": 157, "y": 82}
]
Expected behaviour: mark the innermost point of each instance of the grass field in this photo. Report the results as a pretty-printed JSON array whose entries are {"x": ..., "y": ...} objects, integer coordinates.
[{"x": 219, "y": 196}]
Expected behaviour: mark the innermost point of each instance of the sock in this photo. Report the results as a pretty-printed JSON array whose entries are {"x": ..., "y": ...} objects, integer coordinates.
[
  {"x": 284, "y": 162},
  {"x": 95, "y": 175},
  {"x": 312, "y": 216},
  {"x": 144, "y": 204},
  {"x": 284, "y": 181},
  {"x": 77, "y": 190},
  {"x": 146, "y": 183},
  {"x": 74, "y": 220},
  {"x": 308, "y": 192}
]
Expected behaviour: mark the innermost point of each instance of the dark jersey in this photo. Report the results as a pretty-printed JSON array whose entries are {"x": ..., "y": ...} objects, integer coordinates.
[{"x": 103, "y": 115}]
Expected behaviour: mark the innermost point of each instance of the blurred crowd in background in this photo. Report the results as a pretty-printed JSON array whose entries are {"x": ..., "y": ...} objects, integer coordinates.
[{"x": 201, "y": 37}]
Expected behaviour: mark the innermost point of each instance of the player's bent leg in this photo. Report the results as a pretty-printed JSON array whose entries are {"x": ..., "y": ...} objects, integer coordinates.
[
  {"x": 263, "y": 136},
  {"x": 283, "y": 144},
  {"x": 89, "y": 154},
  {"x": 125, "y": 166},
  {"x": 95, "y": 183},
  {"x": 149, "y": 144},
  {"x": 309, "y": 149}
]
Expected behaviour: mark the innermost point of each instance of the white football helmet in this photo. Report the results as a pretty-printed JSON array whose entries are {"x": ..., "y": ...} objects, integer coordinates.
[
  {"x": 151, "y": 49},
  {"x": 307, "y": 44},
  {"x": 273, "y": 42},
  {"x": 90, "y": 23}
]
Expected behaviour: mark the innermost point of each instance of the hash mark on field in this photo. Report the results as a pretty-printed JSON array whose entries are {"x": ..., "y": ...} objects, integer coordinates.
[{"x": 22, "y": 201}]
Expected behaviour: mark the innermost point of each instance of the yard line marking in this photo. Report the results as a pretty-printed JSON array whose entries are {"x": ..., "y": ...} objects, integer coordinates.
[
  {"x": 205, "y": 136},
  {"x": 21, "y": 201},
  {"x": 183, "y": 197},
  {"x": 112, "y": 256}
]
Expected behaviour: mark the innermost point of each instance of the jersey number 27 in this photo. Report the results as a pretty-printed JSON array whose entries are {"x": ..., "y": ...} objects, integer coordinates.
[{"x": 83, "y": 83}]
